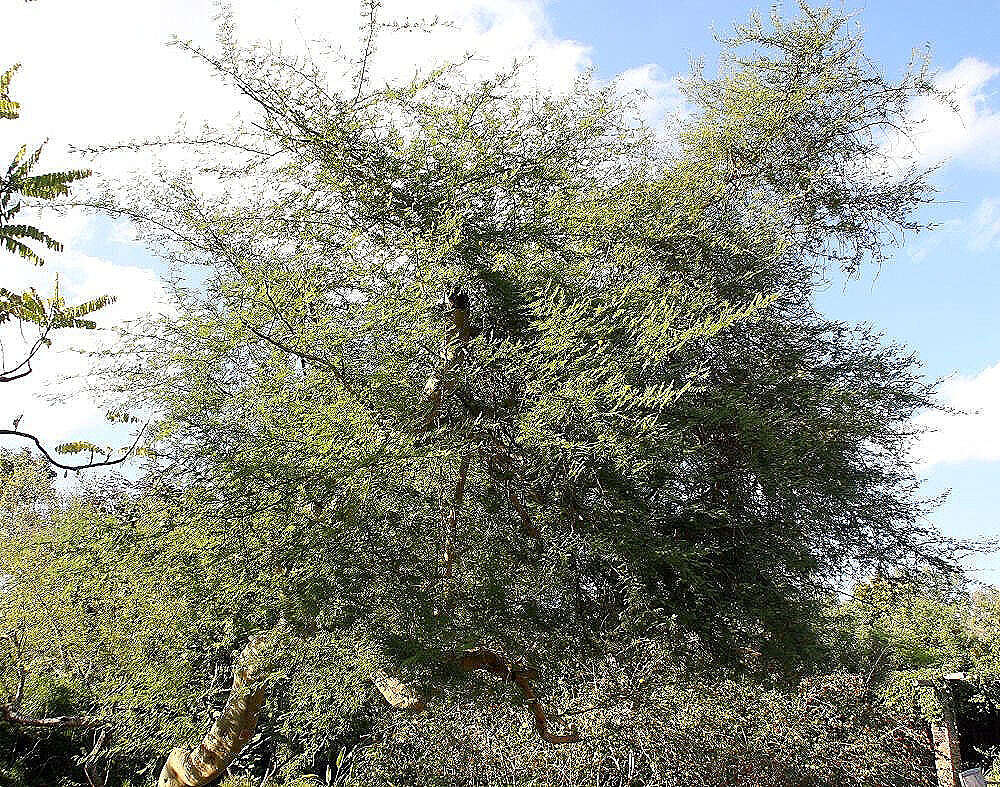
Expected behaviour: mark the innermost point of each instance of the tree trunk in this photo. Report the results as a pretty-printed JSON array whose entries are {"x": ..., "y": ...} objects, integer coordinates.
[
  {"x": 440, "y": 381},
  {"x": 231, "y": 731}
]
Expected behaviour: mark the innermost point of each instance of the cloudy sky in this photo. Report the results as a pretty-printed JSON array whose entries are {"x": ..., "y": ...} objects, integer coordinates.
[{"x": 98, "y": 71}]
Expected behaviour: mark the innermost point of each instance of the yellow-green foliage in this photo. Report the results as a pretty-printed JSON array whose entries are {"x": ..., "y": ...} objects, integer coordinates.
[
  {"x": 93, "y": 618},
  {"x": 19, "y": 182}
]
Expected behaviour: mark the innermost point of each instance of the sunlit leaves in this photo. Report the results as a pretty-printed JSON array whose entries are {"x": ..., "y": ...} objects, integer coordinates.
[
  {"x": 9, "y": 110},
  {"x": 49, "y": 313},
  {"x": 18, "y": 182},
  {"x": 78, "y": 447}
]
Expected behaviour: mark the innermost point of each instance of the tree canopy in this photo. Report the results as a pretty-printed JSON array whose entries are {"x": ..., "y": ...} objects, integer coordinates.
[{"x": 483, "y": 384}]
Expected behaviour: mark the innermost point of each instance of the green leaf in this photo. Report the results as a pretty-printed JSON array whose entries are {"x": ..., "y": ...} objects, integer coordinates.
[{"x": 79, "y": 446}]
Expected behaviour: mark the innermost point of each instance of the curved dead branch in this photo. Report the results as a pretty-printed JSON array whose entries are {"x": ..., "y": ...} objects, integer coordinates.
[
  {"x": 402, "y": 697},
  {"x": 490, "y": 662},
  {"x": 84, "y": 466}
]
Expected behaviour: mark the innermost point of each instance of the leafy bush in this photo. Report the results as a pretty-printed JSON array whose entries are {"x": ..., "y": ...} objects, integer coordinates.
[{"x": 830, "y": 732}]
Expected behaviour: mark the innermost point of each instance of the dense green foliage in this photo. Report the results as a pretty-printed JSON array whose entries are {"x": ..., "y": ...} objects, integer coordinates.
[
  {"x": 474, "y": 371},
  {"x": 111, "y": 622}
]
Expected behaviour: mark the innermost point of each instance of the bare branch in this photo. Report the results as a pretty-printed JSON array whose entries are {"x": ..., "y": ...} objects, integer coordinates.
[
  {"x": 9, "y": 714},
  {"x": 85, "y": 466}
]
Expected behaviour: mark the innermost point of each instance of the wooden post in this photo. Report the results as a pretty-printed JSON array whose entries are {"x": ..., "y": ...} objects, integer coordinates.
[{"x": 944, "y": 734}]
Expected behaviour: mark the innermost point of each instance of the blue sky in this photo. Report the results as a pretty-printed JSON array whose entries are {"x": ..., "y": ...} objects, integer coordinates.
[
  {"x": 941, "y": 295},
  {"x": 632, "y": 32},
  {"x": 112, "y": 79}
]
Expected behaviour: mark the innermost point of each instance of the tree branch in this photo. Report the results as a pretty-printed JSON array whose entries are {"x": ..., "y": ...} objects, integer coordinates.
[
  {"x": 301, "y": 354},
  {"x": 527, "y": 526},
  {"x": 9, "y": 714},
  {"x": 15, "y": 372},
  {"x": 488, "y": 661},
  {"x": 85, "y": 466}
]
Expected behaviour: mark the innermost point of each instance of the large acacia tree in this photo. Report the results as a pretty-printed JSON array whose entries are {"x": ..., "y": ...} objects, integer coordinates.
[{"x": 484, "y": 383}]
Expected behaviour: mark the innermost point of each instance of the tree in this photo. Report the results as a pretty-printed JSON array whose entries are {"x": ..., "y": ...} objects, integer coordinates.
[
  {"x": 920, "y": 640},
  {"x": 44, "y": 314},
  {"x": 484, "y": 385},
  {"x": 93, "y": 632}
]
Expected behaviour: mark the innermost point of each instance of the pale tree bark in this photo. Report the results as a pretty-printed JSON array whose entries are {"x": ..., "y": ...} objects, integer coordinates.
[
  {"x": 235, "y": 726},
  {"x": 53, "y": 722},
  {"x": 439, "y": 383},
  {"x": 9, "y": 711},
  {"x": 402, "y": 697},
  {"x": 441, "y": 379},
  {"x": 396, "y": 693}
]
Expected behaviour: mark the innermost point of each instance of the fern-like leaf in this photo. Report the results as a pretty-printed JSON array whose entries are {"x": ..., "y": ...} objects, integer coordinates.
[
  {"x": 24, "y": 164},
  {"x": 83, "y": 309},
  {"x": 19, "y": 182},
  {"x": 28, "y": 232},
  {"x": 51, "y": 184},
  {"x": 20, "y": 249},
  {"x": 79, "y": 446},
  {"x": 9, "y": 110}
]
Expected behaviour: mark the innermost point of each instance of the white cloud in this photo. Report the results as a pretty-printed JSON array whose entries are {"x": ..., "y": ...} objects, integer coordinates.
[
  {"x": 974, "y": 436},
  {"x": 658, "y": 94},
  {"x": 95, "y": 73},
  {"x": 984, "y": 232},
  {"x": 979, "y": 232},
  {"x": 54, "y": 400},
  {"x": 969, "y": 134}
]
